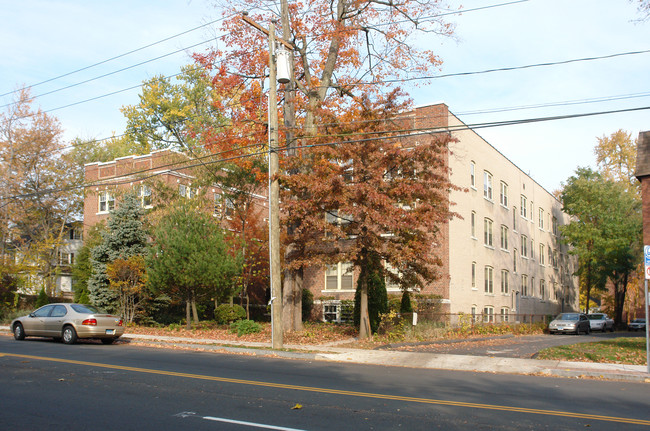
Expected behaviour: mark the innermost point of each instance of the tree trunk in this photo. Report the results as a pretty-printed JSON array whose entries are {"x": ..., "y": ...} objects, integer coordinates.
[
  {"x": 188, "y": 317},
  {"x": 194, "y": 312},
  {"x": 364, "y": 317},
  {"x": 292, "y": 301}
]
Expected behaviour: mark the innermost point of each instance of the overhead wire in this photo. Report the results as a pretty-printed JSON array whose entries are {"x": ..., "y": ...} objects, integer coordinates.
[
  {"x": 128, "y": 177},
  {"x": 119, "y": 56}
]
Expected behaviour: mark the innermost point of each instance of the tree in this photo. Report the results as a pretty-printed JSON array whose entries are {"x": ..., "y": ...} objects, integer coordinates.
[
  {"x": 372, "y": 194},
  {"x": 190, "y": 257},
  {"x": 372, "y": 275},
  {"x": 127, "y": 277},
  {"x": 180, "y": 116},
  {"x": 82, "y": 268},
  {"x": 342, "y": 50},
  {"x": 123, "y": 238},
  {"x": 39, "y": 197},
  {"x": 606, "y": 224},
  {"x": 616, "y": 158}
]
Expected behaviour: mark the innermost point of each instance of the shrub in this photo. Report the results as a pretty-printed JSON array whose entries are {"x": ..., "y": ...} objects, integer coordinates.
[
  {"x": 225, "y": 314},
  {"x": 307, "y": 304},
  {"x": 42, "y": 299},
  {"x": 244, "y": 327},
  {"x": 405, "y": 306}
]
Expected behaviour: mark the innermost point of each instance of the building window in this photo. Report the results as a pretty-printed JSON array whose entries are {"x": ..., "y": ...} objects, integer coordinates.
[
  {"x": 66, "y": 258},
  {"x": 532, "y": 287},
  {"x": 473, "y": 275},
  {"x": 144, "y": 196},
  {"x": 524, "y": 207},
  {"x": 542, "y": 288},
  {"x": 532, "y": 249},
  {"x": 515, "y": 256},
  {"x": 489, "y": 280},
  {"x": 488, "y": 314},
  {"x": 473, "y": 311},
  {"x": 487, "y": 185},
  {"x": 187, "y": 191},
  {"x": 541, "y": 219},
  {"x": 503, "y": 194},
  {"x": 505, "y": 282},
  {"x": 504, "y": 237},
  {"x": 487, "y": 232},
  {"x": 514, "y": 219},
  {"x": 541, "y": 255},
  {"x": 524, "y": 285},
  {"x": 505, "y": 314},
  {"x": 335, "y": 311},
  {"x": 74, "y": 234},
  {"x": 473, "y": 224},
  {"x": 106, "y": 202},
  {"x": 554, "y": 226},
  {"x": 339, "y": 276},
  {"x": 524, "y": 246},
  {"x": 472, "y": 175}
]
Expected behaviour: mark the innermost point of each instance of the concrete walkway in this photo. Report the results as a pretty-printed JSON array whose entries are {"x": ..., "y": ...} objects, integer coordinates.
[{"x": 330, "y": 352}]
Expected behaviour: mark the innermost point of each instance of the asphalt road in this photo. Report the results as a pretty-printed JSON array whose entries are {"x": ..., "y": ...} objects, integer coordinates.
[
  {"x": 50, "y": 386},
  {"x": 525, "y": 346}
]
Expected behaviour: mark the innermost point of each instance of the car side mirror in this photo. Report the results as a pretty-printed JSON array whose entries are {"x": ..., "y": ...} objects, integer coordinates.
[{"x": 31, "y": 315}]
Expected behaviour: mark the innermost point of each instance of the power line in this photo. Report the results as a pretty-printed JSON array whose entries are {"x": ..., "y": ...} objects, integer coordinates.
[
  {"x": 118, "y": 56},
  {"x": 409, "y": 133}
]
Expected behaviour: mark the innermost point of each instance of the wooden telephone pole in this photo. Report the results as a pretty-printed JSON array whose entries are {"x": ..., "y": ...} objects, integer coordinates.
[{"x": 274, "y": 188}]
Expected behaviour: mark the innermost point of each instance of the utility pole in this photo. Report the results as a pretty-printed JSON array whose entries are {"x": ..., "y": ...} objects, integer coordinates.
[
  {"x": 274, "y": 199},
  {"x": 274, "y": 190}
]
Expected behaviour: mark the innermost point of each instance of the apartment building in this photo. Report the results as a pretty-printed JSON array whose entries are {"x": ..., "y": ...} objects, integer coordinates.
[{"x": 502, "y": 259}]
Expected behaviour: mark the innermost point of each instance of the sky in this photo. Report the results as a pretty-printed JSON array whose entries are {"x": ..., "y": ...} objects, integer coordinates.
[{"x": 45, "y": 39}]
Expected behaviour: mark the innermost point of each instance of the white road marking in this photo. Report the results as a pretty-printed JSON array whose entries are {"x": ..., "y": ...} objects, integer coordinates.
[
  {"x": 250, "y": 424},
  {"x": 232, "y": 421}
]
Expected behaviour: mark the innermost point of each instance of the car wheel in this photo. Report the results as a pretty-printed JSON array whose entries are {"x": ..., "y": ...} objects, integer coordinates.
[
  {"x": 108, "y": 340},
  {"x": 69, "y": 335},
  {"x": 19, "y": 332}
]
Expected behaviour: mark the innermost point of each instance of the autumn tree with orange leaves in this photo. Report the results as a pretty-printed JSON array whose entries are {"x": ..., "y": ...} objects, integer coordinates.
[{"x": 346, "y": 53}]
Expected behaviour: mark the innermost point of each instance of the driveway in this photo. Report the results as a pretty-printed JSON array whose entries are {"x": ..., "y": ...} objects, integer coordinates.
[{"x": 508, "y": 346}]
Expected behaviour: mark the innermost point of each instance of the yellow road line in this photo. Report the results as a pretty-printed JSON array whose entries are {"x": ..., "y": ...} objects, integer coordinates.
[{"x": 341, "y": 392}]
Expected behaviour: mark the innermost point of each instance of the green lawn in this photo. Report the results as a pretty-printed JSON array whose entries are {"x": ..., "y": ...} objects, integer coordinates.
[{"x": 618, "y": 351}]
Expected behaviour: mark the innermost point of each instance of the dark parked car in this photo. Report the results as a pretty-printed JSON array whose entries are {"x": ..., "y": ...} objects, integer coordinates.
[
  {"x": 68, "y": 322},
  {"x": 636, "y": 325},
  {"x": 600, "y": 322},
  {"x": 570, "y": 323}
]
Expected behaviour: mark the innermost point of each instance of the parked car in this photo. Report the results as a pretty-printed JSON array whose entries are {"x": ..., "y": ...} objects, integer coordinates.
[
  {"x": 600, "y": 322},
  {"x": 68, "y": 322},
  {"x": 636, "y": 325},
  {"x": 570, "y": 323}
]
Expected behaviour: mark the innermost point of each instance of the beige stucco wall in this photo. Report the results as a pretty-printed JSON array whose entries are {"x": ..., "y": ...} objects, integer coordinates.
[{"x": 560, "y": 285}]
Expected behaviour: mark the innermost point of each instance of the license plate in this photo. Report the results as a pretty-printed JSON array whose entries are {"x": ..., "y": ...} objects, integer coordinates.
[{"x": 110, "y": 331}]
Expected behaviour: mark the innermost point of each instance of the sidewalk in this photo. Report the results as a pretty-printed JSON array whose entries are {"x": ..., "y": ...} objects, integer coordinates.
[
  {"x": 330, "y": 352},
  {"x": 633, "y": 373}
]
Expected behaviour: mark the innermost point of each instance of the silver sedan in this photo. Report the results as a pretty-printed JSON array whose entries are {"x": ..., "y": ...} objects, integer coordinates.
[{"x": 68, "y": 322}]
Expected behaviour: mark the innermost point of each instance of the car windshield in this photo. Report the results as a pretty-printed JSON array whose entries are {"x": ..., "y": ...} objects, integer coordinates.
[
  {"x": 568, "y": 316},
  {"x": 638, "y": 320},
  {"x": 596, "y": 316},
  {"x": 85, "y": 309}
]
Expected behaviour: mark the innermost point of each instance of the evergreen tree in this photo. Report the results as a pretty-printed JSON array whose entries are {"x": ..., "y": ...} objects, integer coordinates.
[
  {"x": 373, "y": 273},
  {"x": 42, "y": 299},
  {"x": 405, "y": 305},
  {"x": 124, "y": 237},
  {"x": 190, "y": 258}
]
